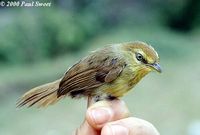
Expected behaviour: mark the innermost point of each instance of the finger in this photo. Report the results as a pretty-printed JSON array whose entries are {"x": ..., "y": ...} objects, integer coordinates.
[
  {"x": 129, "y": 126},
  {"x": 86, "y": 129},
  {"x": 102, "y": 112}
]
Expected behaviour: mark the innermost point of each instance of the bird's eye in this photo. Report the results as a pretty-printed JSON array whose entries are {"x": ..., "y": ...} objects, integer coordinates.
[{"x": 139, "y": 57}]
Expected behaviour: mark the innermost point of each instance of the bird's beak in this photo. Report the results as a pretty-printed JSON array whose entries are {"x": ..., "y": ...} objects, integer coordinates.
[{"x": 156, "y": 67}]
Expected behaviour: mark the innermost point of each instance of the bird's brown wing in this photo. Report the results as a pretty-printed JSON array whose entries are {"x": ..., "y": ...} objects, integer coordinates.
[{"x": 90, "y": 73}]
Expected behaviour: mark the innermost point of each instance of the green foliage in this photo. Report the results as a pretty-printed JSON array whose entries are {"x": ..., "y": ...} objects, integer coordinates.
[
  {"x": 33, "y": 36},
  {"x": 28, "y": 34}
]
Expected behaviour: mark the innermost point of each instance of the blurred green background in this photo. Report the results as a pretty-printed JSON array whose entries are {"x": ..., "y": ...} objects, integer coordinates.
[{"x": 38, "y": 44}]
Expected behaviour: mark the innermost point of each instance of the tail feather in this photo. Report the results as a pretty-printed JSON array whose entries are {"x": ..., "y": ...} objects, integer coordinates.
[{"x": 41, "y": 96}]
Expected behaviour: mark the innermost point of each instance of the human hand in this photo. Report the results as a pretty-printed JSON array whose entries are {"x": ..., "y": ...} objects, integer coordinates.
[{"x": 113, "y": 118}]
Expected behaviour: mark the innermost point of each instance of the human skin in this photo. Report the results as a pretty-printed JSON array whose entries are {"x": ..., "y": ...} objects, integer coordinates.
[{"x": 113, "y": 118}]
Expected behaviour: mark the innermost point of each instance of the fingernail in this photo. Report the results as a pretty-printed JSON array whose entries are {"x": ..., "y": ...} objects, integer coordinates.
[
  {"x": 118, "y": 130},
  {"x": 101, "y": 115}
]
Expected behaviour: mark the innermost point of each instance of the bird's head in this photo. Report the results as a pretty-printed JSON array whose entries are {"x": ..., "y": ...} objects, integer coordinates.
[{"x": 144, "y": 56}]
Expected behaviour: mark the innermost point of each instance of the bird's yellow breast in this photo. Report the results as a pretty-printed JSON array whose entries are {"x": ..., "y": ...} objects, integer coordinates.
[
  {"x": 127, "y": 80},
  {"x": 129, "y": 77}
]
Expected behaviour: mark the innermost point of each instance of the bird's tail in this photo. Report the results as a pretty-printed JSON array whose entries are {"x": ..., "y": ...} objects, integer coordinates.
[{"x": 40, "y": 96}]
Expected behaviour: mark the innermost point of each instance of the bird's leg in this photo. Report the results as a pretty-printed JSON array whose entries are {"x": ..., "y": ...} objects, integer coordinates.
[
  {"x": 97, "y": 98},
  {"x": 93, "y": 99},
  {"x": 104, "y": 97},
  {"x": 111, "y": 97},
  {"x": 89, "y": 101}
]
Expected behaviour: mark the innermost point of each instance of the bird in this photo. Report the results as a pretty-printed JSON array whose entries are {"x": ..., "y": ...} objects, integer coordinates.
[{"x": 105, "y": 74}]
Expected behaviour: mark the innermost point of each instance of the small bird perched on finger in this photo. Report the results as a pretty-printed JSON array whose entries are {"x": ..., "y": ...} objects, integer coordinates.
[{"x": 107, "y": 73}]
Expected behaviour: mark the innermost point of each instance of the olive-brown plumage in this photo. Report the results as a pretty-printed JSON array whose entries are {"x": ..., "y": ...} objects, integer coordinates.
[{"x": 106, "y": 73}]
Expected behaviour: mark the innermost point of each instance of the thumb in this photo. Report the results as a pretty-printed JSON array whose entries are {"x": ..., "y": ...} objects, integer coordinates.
[
  {"x": 96, "y": 116},
  {"x": 99, "y": 114},
  {"x": 103, "y": 112}
]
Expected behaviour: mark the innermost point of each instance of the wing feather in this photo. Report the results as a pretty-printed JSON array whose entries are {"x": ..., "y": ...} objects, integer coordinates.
[{"x": 90, "y": 73}]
